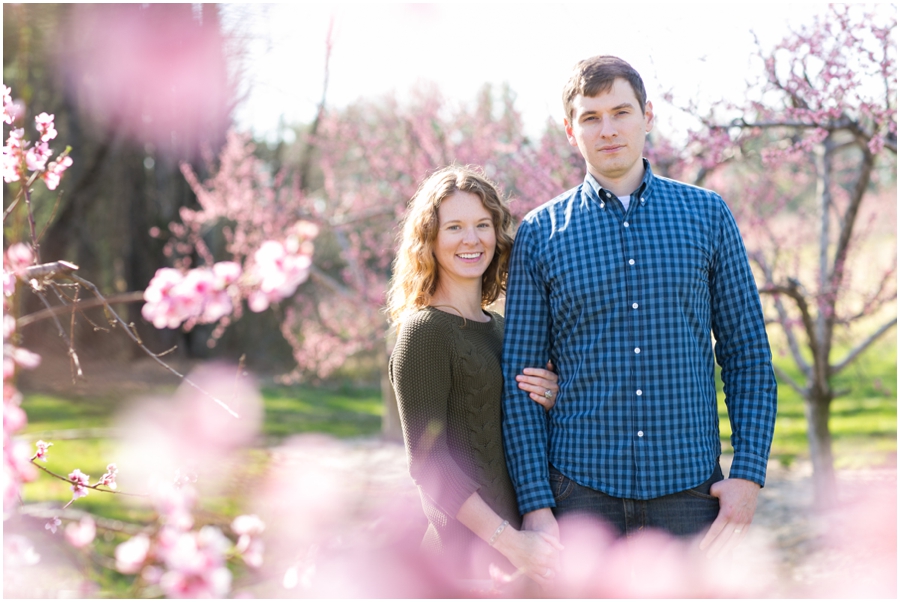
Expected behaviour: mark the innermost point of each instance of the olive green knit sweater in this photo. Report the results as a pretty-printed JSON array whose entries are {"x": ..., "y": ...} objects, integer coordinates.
[{"x": 446, "y": 374}]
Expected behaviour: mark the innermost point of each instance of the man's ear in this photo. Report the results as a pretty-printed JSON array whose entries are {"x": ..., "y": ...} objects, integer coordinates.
[
  {"x": 569, "y": 134},
  {"x": 648, "y": 116}
]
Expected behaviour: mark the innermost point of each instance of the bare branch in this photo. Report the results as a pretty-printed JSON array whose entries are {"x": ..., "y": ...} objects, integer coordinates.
[
  {"x": 46, "y": 271},
  {"x": 854, "y": 353},
  {"x": 133, "y": 337},
  {"x": 792, "y": 290},
  {"x": 37, "y": 316}
]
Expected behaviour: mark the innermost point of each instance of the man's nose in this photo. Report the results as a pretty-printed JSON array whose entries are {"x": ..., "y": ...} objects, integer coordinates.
[{"x": 607, "y": 128}]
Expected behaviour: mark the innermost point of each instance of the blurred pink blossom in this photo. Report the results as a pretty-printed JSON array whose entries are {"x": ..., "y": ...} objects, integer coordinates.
[
  {"x": 201, "y": 295},
  {"x": 44, "y": 124},
  {"x": 109, "y": 478},
  {"x": 13, "y": 153},
  {"x": 8, "y": 106},
  {"x": 82, "y": 533},
  {"x": 53, "y": 524},
  {"x": 79, "y": 482},
  {"x": 195, "y": 565},
  {"x": 248, "y": 524},
  {"x": 131, "y": 554},
  {"x": 279, "y": 269},
  {"x": 18, "y": 257},
  {"x": 55, "y": 171},
  {"x": 37, "y": 155},
  {"x": 41, "y": 453}
]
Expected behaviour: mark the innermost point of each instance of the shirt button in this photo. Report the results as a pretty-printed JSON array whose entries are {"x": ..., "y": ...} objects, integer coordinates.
[
  {"x": 634, "y": 306},
  {"x": 608, "y": 195},
  {"x": 639, "y": 392},
  {"x": 631, "y": 262},
  {"x": 642, "y": 199},
  {"x": 603, "y": 205},
  {"x": 625, "y": 224},
  {"x": 637, "y": 349},
  {"x": 640, "y": 433}
]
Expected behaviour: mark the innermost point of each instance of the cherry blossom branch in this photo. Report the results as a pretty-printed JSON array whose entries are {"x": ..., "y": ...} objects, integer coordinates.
[{"x": 95, "y": 487}]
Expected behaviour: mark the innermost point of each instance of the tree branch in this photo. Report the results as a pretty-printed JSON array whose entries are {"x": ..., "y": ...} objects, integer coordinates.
[
  {"x": 132, "y": 297},
  {"x": 790, "y": 381},
  {"x": 854, "y": 353}
]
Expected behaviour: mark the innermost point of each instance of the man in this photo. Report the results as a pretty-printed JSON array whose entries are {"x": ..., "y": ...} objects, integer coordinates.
[{"x": 620, "y": 281}]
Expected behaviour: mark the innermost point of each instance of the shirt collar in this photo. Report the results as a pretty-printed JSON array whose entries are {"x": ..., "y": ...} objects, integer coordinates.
[{"x": 639, "y": 193}]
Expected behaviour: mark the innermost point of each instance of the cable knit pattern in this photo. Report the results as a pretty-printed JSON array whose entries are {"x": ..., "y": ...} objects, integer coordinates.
[{"x": 446, "y": 374}]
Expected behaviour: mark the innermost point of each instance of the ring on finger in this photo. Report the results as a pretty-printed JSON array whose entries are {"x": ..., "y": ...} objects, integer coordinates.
[{"x": 548, "y": 394}]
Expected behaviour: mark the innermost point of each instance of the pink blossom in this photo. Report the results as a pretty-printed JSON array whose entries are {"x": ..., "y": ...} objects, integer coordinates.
[
  {"x": 36, "y": 157},
  {"x": 41, "y": 453},
  {"x": 44, "y": 124},
  {"x": 9, "y": 111},
  {"x": 195, "y": 564},
  {"x": 82, "y": 533},
  {"x": 53, "y": 524},
  {"x": 160, "y": 307},
  {"x": 109, "y": 479},
  {"x": 279, "y": 272},
  {"x": 201, "y": 294},
  {"x": 248, "y": 527},
  {"x": 227, "y": 273},
  {"x": 248, "y": 524},
  {"x": 25, "y": 359},
  {"x": 18, "y": 257},
  {"x": 132, "y": 554},
  {"x": 55, "y": 171},
  {"x": 13, "y": 153},
  {"x": 14, "y": 417},
  {"x": 79, "y": 482}
]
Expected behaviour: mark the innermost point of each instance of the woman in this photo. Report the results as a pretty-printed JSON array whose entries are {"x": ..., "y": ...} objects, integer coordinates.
[{"x": 445, "y": 369}]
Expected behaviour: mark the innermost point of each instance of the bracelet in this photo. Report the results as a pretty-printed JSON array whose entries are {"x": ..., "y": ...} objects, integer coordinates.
[{"x": 497, "y": 533}]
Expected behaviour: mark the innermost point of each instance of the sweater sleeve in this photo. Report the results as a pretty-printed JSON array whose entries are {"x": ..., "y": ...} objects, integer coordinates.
[{"x": 421, "y": 373}]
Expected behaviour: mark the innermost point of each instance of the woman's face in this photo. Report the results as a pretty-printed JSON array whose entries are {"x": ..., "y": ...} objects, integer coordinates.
[{"x": 466, "y": 240}]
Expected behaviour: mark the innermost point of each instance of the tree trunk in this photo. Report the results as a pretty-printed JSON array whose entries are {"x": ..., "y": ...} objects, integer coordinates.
[
  {"x": 390, "y": 422},
  {"x": 818, "y": 408}
]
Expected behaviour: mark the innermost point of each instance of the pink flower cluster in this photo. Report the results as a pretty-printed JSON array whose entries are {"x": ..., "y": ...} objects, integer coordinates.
[
  {"x": 278, "y": 269},
  {"x": 17, "y": 468},
  {"x": 186, "y": 563},
  {"x": 109, "y": 478},
  {"x": 79, "y": 481},
  {"x": 16, "y": 150},
  {"x": 206, "y": 295},
  {"x": 202, "y": 295}
]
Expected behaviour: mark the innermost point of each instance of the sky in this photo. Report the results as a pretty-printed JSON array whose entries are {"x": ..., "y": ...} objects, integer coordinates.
[{"x": 699, "y": 51}]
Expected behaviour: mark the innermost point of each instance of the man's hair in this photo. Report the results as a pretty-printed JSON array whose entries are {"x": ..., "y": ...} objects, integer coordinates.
[
  {"x": 596, "y": 75},
  {"x": 415, "y": 267}
]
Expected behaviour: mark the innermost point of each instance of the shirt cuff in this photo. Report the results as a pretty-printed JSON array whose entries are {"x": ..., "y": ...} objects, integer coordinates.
[
  {"x": 749, "y": 467},
  {"x": 534, "y": 496}
]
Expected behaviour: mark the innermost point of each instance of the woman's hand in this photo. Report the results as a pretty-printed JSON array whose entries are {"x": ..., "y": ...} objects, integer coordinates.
[
  {"x": 541, "y": 384},
  {"x": 534, "y": 553}
]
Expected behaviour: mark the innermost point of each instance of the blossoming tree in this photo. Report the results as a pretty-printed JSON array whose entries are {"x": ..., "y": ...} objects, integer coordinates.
[{"x": 815, "y": 148}]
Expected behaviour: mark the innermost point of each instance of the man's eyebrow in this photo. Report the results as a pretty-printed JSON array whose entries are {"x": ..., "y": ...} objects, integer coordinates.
[{"x": 618, "y": 107}]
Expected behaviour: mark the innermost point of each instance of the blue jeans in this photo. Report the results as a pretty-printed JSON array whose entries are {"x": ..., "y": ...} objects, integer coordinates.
[{"x": 683, "y": 514}]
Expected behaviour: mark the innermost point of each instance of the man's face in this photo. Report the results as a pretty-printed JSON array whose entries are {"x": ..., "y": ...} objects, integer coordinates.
[{"x": 609, "y": 129}]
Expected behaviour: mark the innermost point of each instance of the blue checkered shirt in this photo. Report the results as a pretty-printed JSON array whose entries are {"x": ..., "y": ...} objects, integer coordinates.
[{"x": 624, "y": 302}]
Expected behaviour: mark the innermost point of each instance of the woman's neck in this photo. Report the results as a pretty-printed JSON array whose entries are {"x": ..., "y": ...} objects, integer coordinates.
[{"x": 460, "y": 300}]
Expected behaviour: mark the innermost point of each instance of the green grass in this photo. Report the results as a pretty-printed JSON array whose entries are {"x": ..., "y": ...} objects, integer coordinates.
[
  {"x": 863, "y": 425},
  {"x": 863, "y": 422}
]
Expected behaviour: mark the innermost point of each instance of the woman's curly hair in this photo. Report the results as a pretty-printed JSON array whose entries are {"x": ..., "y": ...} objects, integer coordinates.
[{"x": 415, "y": 272}]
